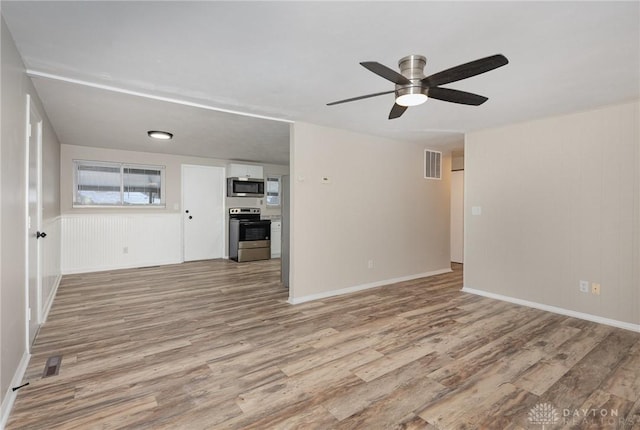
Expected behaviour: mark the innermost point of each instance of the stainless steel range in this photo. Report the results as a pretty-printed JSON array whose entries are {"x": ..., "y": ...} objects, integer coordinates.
[{"x": 249, "y": 236}]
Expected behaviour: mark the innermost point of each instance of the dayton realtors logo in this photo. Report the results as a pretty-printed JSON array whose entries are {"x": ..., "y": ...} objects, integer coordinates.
[{"x": 546, "y": 414}]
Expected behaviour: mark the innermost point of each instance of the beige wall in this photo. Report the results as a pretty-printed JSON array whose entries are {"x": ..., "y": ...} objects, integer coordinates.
[
  {"x": 15, "y": 87},
  {"x": 377, "y": 206},
  {"x": 457, "y": 161},
  {"x": 559, "y": 203}
]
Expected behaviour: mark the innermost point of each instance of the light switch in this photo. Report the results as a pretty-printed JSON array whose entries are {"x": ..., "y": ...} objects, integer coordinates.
[{"x": 476, "y": 210}]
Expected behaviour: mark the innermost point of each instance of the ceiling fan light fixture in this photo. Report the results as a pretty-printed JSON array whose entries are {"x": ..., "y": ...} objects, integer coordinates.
[
  {"x": 414, "y": 88},
  {"x": 411, "y": 99},
  {"x": 160, "y": 135}
]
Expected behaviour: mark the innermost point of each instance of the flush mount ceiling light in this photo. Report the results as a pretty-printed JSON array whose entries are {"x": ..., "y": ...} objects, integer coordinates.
[{"x": 161, "y": 135}]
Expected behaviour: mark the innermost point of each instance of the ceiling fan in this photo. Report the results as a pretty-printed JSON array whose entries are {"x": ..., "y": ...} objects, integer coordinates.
[{"x": 413, "y": 88}]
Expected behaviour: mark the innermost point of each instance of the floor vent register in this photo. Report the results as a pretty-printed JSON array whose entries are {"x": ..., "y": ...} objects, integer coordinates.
[{"x": 52, "y": 367}]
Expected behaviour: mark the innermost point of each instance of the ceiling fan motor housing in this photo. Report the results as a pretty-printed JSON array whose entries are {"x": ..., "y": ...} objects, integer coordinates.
[{"x": 412, "y": 68}]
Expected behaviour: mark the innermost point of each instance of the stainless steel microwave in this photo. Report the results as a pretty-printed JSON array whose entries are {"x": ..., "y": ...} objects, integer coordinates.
[{"x": 245, "y": 187}]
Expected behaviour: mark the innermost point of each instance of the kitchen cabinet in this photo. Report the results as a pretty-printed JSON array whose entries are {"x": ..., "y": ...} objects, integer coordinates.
[
  {"x": 244, "y": 171},
  {"x": 276, "y": 241}
]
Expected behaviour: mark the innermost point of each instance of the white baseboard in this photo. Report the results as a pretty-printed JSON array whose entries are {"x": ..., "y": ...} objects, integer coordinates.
[
  {"x": 325, "y": 294},
  {"x": 47, "y": 306},
  {"x": 72, "y": 271},
  {"x": 555, "y": 310},
  {"x": 10, "y": 395}
]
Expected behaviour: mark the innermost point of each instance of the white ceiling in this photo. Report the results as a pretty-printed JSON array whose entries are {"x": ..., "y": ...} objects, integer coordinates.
[{"x": 286, "y": 60}]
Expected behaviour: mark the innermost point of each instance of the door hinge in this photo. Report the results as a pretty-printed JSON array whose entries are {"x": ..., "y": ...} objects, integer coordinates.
[
  {"x": 29, "y": 130},
  {"x": 28, "y": 314}
]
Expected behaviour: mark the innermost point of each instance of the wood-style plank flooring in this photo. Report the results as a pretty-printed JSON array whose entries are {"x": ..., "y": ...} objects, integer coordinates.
[{"x": 214, "y": 344}]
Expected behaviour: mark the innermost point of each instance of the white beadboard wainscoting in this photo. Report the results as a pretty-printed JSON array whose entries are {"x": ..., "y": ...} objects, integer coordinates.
[
  {"x": 96, "y": 242},
  {"x": 51, "y": 255}
]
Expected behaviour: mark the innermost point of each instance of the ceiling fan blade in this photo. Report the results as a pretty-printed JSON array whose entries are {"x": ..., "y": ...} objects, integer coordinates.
[
  {"x": 385, "y": 72},
  {"x": 456, "y": 96},
  {"x": 353, "y": 99},
  {"x": 397, "y": 111},
  {"x": 466, "y": 70}
]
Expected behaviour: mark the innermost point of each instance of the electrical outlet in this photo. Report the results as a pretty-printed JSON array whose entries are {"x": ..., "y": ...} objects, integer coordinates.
[
  {"x": 584, "y": 286},
  {"x": 595, "y": 289},
  {"x": 370, "y": 264}
]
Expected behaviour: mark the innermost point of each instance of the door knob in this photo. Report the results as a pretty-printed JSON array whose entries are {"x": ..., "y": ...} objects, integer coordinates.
[{"x": 40, "y": 234}]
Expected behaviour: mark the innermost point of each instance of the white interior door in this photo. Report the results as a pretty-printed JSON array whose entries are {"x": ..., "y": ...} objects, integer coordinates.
[
  {"x": 457, "y": 216},
  {"x": 203, "y": 212},
  {"x": 34, "y": 221}
]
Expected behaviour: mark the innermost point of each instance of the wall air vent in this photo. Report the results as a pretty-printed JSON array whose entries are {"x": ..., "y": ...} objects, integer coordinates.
[{"x": 432, "y": 164}]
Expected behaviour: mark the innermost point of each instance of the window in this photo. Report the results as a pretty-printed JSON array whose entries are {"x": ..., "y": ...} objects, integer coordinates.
[
  {"x": 98, "y": 183},
  {"x": 432, "y": 164},
  {"x": 273, "y": 191}
]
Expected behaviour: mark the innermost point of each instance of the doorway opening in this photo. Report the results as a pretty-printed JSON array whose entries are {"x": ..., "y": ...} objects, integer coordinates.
[{"x": 457, "y": 207}]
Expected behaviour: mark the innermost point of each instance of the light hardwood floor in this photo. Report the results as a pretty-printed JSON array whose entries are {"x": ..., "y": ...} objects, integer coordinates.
[{"x": 213, "y": 344}]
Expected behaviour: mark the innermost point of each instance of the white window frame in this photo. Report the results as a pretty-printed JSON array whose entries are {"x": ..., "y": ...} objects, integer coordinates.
[
  {"x": 266, "y": 186},
  {"x": 121, "y": 166}
]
